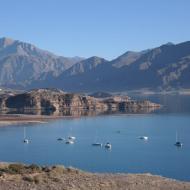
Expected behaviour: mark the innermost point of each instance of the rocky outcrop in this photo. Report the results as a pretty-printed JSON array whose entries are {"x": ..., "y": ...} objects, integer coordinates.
[
  {"x": 49, "y": 99},
  {"x": 57, "y": 101},
  {"x": 126, "y": 104}
]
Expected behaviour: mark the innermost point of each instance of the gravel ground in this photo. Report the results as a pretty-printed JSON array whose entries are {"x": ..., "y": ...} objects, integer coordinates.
[{"x": 20, "y": 177}]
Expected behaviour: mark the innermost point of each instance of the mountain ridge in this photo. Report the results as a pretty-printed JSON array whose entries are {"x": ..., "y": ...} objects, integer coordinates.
[
  {"x": 26, "y": 66},
  {"x": 21, "y": 63}
]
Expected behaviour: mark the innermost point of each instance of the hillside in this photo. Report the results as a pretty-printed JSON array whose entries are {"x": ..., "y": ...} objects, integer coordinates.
[
  {"x": 166, "y": 67},
  {"x": 22, "y": 63}
]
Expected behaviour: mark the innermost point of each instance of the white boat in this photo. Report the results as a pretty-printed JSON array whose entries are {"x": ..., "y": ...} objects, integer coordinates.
[
  {"x": 69, "y": 142},
  {"x": 25, "y": 139},
  {"x": 96, "y": 140},
  {"x": 96, "y": 144},
  {"x": 143, "y": 138},
  {"x": 178, "y": 143},
  {"x": 71, "y": 138},
  {"x": 108, "y": 145}
]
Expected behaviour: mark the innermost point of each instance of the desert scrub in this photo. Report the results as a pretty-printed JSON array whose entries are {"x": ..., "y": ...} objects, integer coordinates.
[
  {"x": 46, "y": 169},
  {"x": 33, "y": 168},
  {"x": 38, "y": 179},
  {"x": 58, "y": 170},
  {"x": 73, "y": 170},
  {"x": 16, "y": 169},
  {"x": 28, "y": 179}
]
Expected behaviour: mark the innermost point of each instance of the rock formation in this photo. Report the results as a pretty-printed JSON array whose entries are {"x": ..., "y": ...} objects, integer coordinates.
[{"x": 54, "y": 100}]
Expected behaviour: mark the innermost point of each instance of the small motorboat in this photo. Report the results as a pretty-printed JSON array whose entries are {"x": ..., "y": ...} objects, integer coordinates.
[
  {"x": 178, "y": 144},
  {"x": 26, "y": 141},
  {"x": 69, "y": 142},
  {"x": 71, "y": 138},
  {"x": 108, "y": 145},
  {"x": 143, "y": 138},
  {"x": 97, "y": 144},
  {"x": 60, "y": 139}
]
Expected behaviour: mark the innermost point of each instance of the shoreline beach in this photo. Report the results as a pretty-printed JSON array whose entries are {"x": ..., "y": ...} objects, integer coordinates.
[{"x": 24, "y": 177}]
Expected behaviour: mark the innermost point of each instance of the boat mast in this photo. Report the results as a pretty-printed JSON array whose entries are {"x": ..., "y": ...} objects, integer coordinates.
[{"x": 24, "y": 133}]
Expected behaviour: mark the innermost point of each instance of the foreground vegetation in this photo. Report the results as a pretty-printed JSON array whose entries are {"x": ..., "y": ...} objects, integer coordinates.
[{"x": 25, "y": 177}]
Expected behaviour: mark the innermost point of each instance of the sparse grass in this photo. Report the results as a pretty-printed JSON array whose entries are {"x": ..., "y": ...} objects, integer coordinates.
[{"x": 17, "y": 168}]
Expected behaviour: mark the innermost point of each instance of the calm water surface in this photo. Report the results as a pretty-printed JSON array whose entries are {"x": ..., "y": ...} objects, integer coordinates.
[{"x": 129, "y": 154}]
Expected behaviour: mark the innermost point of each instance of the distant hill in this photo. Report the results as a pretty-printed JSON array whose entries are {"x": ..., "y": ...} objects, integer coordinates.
[
  {"x": 101, "y": 95},
  {"x": 26, "y": 66}
]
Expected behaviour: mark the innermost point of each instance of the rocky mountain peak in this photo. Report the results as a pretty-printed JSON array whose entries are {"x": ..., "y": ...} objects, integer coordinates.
[
  {"x": 21, "y": 63},
  {"x": 169, "y": 44},
  {"x": 4, "y": 42}
]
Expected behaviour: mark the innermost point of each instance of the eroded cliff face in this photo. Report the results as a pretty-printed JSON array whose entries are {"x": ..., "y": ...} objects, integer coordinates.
[
  {"x": 49, "y": 99},
  {"x": 57, "y": 101}
]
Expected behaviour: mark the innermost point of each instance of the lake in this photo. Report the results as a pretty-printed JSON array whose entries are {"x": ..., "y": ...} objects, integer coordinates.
[{"x": 129, "y": 154}]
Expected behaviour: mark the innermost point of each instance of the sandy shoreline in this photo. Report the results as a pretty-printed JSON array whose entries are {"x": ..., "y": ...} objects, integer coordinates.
[
  {"x": 22, "y": 177},
  {"x": 12, "y": 119}
]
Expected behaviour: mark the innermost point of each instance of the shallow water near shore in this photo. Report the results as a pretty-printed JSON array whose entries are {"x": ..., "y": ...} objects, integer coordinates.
[{"x": 129, "y": 154}]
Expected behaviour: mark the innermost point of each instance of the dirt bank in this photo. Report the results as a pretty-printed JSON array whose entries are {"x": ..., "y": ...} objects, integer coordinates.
[
  {"x": 20, "y": 177},
  {"x": 9, "y": 119}
]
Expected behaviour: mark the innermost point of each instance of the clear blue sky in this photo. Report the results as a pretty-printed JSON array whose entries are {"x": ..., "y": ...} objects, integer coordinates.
[{"x": 105, "y": 28}]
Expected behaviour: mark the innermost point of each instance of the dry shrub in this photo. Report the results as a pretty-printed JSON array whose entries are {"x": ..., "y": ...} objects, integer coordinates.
[
  {"x": 16, "y": 169},
  {"x": 58, "y": 170},
  {"x": 34, "y": 168},
  {"x": 38, "y": 179},
  {"x": 72, "y": 170},
  {"x": 28, "y": 179}
]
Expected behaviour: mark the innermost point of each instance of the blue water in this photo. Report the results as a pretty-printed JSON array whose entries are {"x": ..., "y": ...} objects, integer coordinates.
[{"x": 128, "y": 154}]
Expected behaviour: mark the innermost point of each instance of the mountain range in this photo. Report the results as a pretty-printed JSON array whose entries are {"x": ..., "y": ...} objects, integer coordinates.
[{"x": 25, "y": 66}]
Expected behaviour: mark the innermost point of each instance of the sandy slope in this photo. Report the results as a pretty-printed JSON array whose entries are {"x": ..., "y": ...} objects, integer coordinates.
[{"x": 19, "y": 177}]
